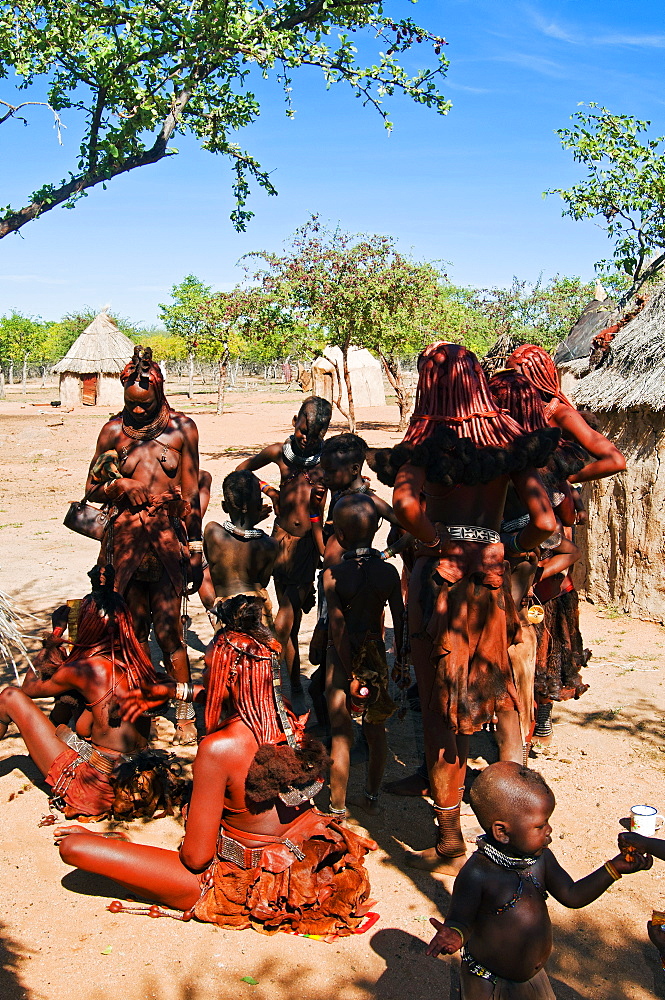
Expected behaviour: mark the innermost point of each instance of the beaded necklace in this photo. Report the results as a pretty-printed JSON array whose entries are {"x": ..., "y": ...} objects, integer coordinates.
[
  {"x": 243, "y": 533},
  {"x": 148, "y": 431},
  {"x": 362, "y": 552},
  {"x": 518, "y": 865},
  {"x": 293, "y": 458}
]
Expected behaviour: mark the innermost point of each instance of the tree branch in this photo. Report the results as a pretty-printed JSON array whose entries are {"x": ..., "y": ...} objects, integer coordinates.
[
  {"x": 309, "y": 12},
  {"x": 13, "y": 221},
  {"x": 13, "y": 108}
]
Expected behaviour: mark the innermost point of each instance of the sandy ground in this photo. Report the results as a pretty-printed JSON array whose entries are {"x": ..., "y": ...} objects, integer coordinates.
[{"x": 58, "y": 939}]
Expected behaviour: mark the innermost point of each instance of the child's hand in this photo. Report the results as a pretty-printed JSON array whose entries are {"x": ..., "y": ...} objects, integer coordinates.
[
  {"x": 636, "y": 863},
  {"x": 446, "y": 939},
  {"x": 317, "y": 495}
]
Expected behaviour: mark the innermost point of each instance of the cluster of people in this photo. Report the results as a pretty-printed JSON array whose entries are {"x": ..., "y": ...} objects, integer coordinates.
[{"x": 485, "y": 611}]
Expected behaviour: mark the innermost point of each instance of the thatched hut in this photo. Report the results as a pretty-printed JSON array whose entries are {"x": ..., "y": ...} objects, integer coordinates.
[
  {"x": 623, "y": 550},
  {"x": 90, "y": 370}
]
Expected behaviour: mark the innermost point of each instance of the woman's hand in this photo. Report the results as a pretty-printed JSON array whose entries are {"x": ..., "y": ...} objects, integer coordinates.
[
  {"x": 135, "y": 702},
  {"x": 136, "y": 493}
]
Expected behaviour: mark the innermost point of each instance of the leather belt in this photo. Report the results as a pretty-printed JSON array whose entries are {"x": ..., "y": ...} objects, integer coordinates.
[
  {"x": 473, "y": 533},
  {"x": 229, "y": 849},
  {"x": 101, "y": 762}
]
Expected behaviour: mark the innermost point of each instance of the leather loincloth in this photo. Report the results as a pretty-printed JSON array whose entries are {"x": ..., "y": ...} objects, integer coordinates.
[
  {"x": 296, "y": 564},
  {"x": 144, "y": 539},
  {"x": 320, "y": 894},
  {"x": 369, "y": 664},
  {"x": 457, "y": 606},
  {"x": 137, "y": 785},
  {"x": 561, "y": 655}
]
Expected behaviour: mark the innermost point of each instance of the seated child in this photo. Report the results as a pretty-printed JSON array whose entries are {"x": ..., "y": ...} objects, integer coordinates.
[
  {"x": 240, "y": 556},
  {"x": 498, "y": 914},
  {"x": 649, "y": 846},
  {"x": 357, "y": 590}
]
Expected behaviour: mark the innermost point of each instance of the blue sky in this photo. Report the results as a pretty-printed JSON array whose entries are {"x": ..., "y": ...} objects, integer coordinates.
[{"x": 465, "y": 188}]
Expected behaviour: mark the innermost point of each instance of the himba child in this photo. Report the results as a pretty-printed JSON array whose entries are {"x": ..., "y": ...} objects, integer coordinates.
[
  {"x": 299, "y": 555},
  {"x": 357, "y": 590},
  {"x": 498, "y": 914},
  {"x": 653, "y": 847},
  {"x": 342, "y": 461},
  {"x": 240, "y": 556}
]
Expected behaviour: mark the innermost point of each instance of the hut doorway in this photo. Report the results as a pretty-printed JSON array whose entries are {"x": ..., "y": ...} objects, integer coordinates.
[{"x": 89, "y": 389}]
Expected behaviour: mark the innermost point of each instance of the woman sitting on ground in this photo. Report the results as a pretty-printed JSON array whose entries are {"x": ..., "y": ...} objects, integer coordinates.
[
  {"x": 256, "y": 852},
  {"x": 103, "y": 767}
]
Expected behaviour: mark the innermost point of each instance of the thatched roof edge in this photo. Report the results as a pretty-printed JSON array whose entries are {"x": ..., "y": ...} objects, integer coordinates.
[
  {"x": 101, "y": 349},
  {"x": 632, "y": 375}
]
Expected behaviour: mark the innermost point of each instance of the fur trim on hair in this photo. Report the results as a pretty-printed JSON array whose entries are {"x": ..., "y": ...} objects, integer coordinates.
[
  {"x": 243, "y": 614},
  {"x": 450, "y": 460},
  {"x": 275, "y": 768}
]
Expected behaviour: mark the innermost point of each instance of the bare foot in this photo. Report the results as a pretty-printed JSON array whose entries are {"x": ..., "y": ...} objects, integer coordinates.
[
  {"x": 657, "y": 936},
  {"x": 413, "y": 784},
  {"x": 185, "y": 734},
  {"x": 431, "y": 861},
  {"x": 366, "y": 804}
]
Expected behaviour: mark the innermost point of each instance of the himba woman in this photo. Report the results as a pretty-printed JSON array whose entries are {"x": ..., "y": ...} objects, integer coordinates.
[
  {"x": 560, "y": 649},
  {"x": 452, "y": 472},
  {"x": 256, "y": 852},
  {"x": 514, "y": 394},
  {"x": 146, "y": 467},
  {"x": 102, "y": 768}
]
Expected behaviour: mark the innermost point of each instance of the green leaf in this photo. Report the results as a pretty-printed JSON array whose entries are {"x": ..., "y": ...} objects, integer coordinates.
[
  {"x": 107, "y": 950},
  {"x": 249, "y": 979}
]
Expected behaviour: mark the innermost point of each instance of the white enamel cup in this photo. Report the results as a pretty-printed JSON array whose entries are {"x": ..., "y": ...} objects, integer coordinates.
[{"x": 645, "y": 820}]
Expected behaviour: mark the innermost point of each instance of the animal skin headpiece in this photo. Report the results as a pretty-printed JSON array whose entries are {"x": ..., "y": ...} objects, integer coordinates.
[
  {"x": 453, "y": 391},
  {"x": 143, "y": 369},
  {"x": 538, "y": 367}
]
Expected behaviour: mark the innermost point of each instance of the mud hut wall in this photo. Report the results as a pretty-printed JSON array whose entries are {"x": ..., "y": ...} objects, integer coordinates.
[
  {"x": 623, "y": 548},
  {"x": 70, "y": 389},
  {"x": 110, "y": 392}
]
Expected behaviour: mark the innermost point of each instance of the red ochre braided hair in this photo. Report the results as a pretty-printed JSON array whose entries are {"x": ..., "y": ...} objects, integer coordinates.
[
  {"x": 141, "y": 368},
  {"x": 538, "y": 367},
  {"x": 517, "y": 396},
  {"x": 457, "y": 431},
  {"x": 240, "y": 668}
]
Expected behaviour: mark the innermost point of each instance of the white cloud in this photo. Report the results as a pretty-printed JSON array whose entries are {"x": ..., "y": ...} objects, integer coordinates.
[{"x": 581, "y": 35}]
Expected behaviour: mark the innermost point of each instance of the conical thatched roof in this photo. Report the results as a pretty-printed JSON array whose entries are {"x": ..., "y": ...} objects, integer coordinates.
[
  {"x": 100, "y": 348},
  {"x": 633, "y": 373}
]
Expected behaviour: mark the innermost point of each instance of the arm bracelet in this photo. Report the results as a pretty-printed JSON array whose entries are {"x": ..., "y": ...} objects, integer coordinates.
[
  {"x": 195, "y": 544},
  {"x": 513, "y": 547},
  {"x": 611, "y": 870},
  {"x": 314, "y": 518},
  {"x": 433, "y": 544},
  {"x": 184, "y": 691}
]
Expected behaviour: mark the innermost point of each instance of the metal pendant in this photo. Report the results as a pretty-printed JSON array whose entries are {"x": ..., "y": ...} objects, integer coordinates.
[{"x": 535, "y": 614}]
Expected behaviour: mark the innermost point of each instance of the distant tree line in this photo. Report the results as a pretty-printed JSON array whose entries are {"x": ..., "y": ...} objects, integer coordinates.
[{"x": 327, "y": 287}]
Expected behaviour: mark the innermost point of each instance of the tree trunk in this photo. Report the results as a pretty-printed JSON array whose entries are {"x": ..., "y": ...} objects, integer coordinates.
[
  {"x": 349, "y": 391},
  {"x": 338, "y": 401},
  {"x": 2, "y": 383},
  {"x": 221, "y": 388},
  {"x": 395, "y": 376},
  {"x": 24, "y": 376},
  {"x": 43, "y": 376},
  {"x": 11, "y": 372},
  {"x": 190, "y": 360}
]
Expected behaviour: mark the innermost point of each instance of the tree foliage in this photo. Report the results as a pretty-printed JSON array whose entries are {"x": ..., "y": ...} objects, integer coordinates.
[
  {"x": 184, "y": 317},
  {"x": 354, "y": 288},
  {"x": 542, "y": 313},
  {"x": 624, "y": 187},
  {"x": 136, "y": 72}
]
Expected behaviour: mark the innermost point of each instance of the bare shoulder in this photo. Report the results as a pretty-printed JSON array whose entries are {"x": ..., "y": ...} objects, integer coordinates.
[
  {"x": 213, "y": 530},
  {"x": 183, "y": 422},
  {"x": 110, "y": 431}
]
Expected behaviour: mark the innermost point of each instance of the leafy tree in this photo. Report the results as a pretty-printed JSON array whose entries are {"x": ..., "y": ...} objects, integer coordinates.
[
  {"x": 20, "y": 340},
  {"x": 165, "y": 347},
  {"x": 225, "y": 317},
  {"x": 624, "y": 187},
  {"x": 354, "y": 287},
  {"x": 541, "y": 313},
  {"x": 138, "y": 71},
  {"x": 185, "y": 319}
]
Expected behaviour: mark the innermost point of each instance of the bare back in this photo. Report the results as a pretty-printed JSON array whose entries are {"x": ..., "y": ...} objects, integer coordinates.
[{"x": 238, "y": 566}]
